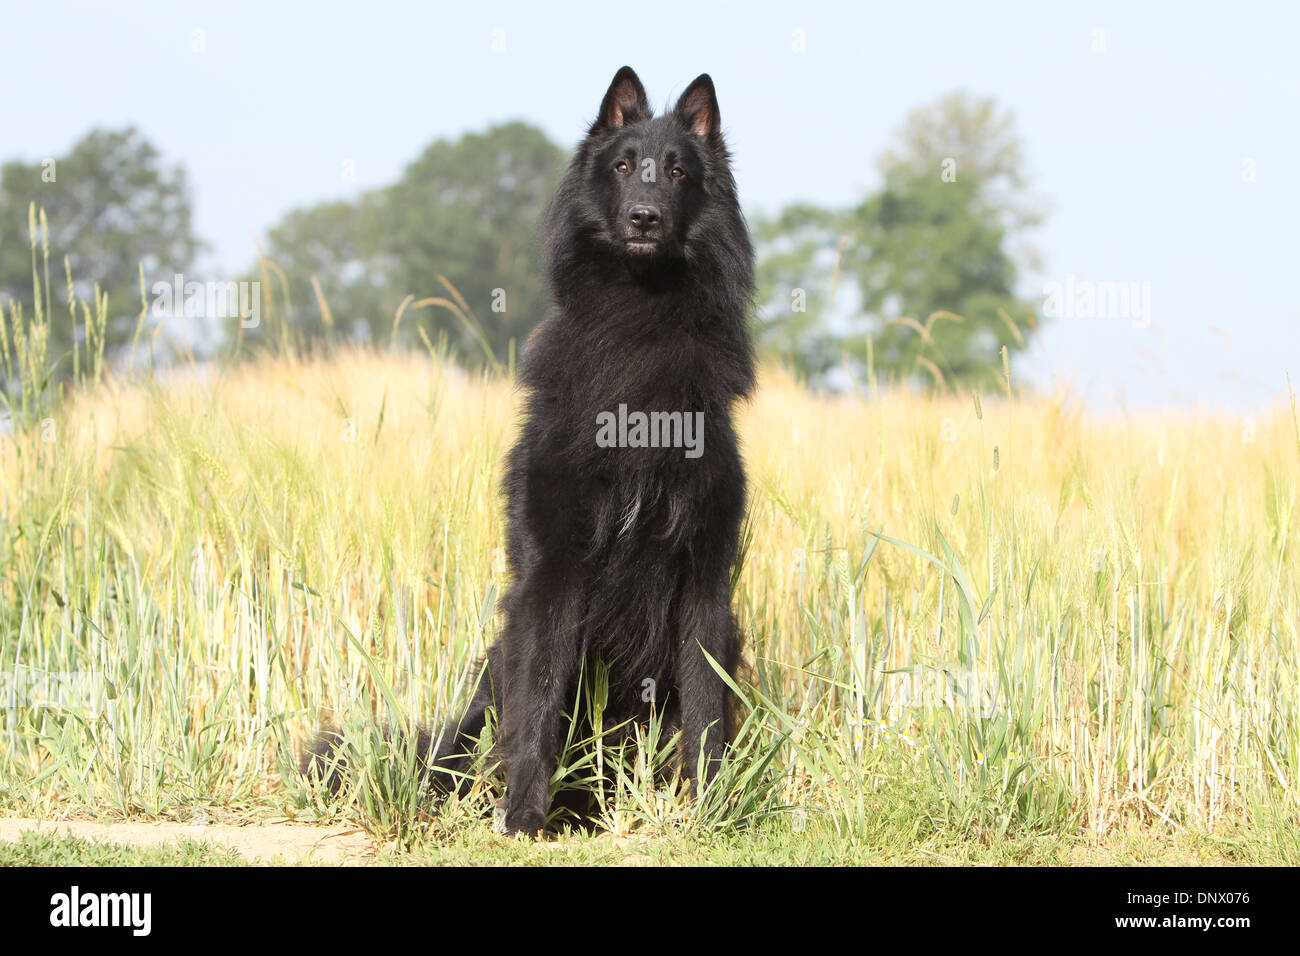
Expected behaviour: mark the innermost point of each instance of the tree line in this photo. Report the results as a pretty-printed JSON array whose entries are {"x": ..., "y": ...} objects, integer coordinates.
[{"x": 915, "y": 281}]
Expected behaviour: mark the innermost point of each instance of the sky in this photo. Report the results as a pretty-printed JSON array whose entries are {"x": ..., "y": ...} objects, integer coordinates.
[{"x": 1164, "y": 137}]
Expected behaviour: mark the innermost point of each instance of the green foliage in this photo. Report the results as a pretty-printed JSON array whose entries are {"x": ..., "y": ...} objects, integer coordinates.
[
  {"x": 985, "y": 149},
  {"x": 48, "y": 849},
  {"x": 926, "y": 261},
  {"x": 925, "y": 248},
  {"x": 465, "y": 210},
  {"x": 798, "y": 256},
  {"x": 114, "y": 208}
]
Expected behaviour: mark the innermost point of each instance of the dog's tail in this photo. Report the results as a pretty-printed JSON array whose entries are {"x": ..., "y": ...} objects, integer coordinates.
[{"x": 446, "y": 756}]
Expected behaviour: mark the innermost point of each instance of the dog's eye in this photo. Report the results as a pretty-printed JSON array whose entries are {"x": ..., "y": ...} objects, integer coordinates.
[
  {"x": 622, "y": 167},
  {"x": 677, "y": 172}
]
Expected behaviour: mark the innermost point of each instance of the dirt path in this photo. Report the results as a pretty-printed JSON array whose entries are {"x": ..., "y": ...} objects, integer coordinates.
[{"x": 291, "y": 842}]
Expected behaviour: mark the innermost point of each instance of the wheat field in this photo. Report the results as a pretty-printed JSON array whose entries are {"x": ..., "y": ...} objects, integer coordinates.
[{"x": 971, "y": 618}]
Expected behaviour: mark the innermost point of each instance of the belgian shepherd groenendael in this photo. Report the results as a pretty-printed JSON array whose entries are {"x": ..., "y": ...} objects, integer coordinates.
[{"x": 625, "y": 490}]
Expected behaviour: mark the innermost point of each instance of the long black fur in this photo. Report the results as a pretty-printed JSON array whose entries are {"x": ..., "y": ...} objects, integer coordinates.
[{"x": 623, "y": 553}]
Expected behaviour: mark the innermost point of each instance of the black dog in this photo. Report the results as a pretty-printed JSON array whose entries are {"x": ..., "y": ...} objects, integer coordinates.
[{"x": 625, "y": 491}]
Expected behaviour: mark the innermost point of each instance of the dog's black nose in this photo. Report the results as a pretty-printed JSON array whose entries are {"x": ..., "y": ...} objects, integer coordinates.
[{"x": 644, "y": 217}]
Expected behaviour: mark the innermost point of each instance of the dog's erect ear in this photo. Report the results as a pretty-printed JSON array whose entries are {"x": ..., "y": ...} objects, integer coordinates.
[
  {"x": 698, "y": 108},
  {"x": 624, "y": 102}
]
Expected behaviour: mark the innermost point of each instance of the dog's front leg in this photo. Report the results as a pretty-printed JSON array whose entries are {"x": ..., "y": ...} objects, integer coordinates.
[
  {"x": 542, "y": 660},
  {"x": 707, "y": 625}
]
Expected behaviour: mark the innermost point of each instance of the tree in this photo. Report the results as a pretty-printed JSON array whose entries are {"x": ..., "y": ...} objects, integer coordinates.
[
  {"x": 337, "y": 244},
  {"x": 929, "y": 252},
  {"x": 112, "y": 206},
  {"x": 799, "y": 255},
  {"x": 466, "y": 210},
  {"x": 984, "y": 148},
  {"x": 923, "y": 269}
]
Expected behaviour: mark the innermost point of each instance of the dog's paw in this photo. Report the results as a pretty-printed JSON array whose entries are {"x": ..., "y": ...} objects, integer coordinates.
[{"x": 529, "y": 823}]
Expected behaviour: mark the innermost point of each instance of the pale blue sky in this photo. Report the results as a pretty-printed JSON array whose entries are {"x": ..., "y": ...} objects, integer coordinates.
[{"x": 1139, "y": 150}]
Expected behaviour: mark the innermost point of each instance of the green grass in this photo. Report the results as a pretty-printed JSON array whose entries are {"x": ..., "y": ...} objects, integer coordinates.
[
  {"x": 810, "y": 843},
  {"x": 43, "y": 849}
]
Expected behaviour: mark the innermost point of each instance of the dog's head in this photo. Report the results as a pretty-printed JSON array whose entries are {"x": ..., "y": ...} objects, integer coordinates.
[{"x": 647, "y": 179}]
